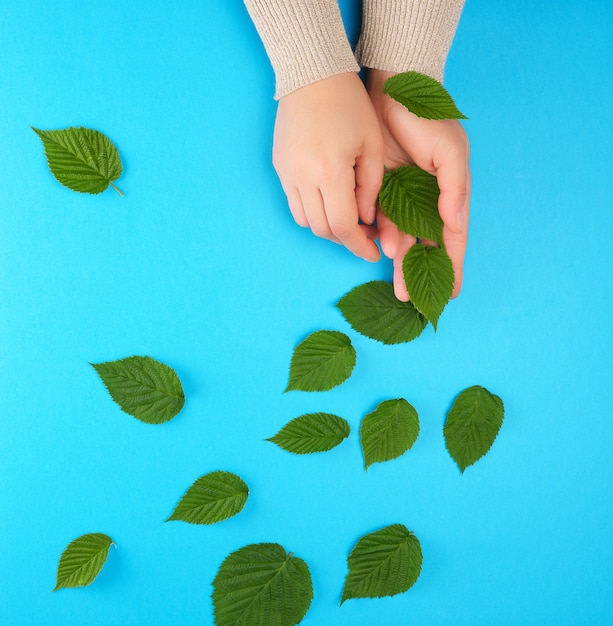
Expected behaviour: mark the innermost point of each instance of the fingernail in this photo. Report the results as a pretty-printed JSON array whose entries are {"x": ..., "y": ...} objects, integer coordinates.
[{"x": 370, "y": 216}]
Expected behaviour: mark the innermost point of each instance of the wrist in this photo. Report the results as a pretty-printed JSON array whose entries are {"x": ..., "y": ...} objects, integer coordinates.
[{"x": 376, "y": 78}]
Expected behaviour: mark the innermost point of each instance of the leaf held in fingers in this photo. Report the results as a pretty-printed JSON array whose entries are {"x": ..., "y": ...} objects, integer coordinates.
[
  {"x": 428, "y": 275},
  {"x": 81, "y": 159},
  {"x": 472, "y": 425},
  {"x": 143, "y": 387},
  {"x": 409, "y": 197},
  {"x": 262, "y": 584},
  {"x": 389, "y": 431},
  {"x": 313, "y": 432},
  {"x": 423, "y": 96},
  {"x": 212, "y": 498},
  {"x": 82, "y": 561},
  {"x": 324, "y": 360},
  {"x": 373, "y": 310},
  {"x": 384, "y": 563}
]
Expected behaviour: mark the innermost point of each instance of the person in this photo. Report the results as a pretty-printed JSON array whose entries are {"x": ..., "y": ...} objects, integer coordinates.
[{"x": 335, "y": 134}]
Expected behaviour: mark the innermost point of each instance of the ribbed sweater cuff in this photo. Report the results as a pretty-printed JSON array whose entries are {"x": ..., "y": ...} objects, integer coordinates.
[
  {"x": 405, "y": 35},
  {"x": 304, "y": 39}
]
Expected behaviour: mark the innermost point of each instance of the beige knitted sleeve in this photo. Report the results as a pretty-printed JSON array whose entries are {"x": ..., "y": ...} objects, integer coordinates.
[
  {"x": 304, "y": 39},
  {"x": 403, "y": 35}
]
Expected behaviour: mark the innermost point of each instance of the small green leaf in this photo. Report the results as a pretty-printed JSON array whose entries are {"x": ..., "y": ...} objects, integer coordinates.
[
  {"x": 212, "y": 498},
  {"x": 81, "y": 159},
  {"x": 428, "y": 275},
  {"x": 324, "y": 360},
  {"x": 383, "y": 563},
  {"x": 262, "y": 584},
  {"x": 313, "y": 432},
  {"x": 423, "y": 96},
  {"x": 82, "y": 561},
  {"x": 143, "y": 388},
  {"x": 373, "y": 310},
  {"x": 388, "y": 432},
  {"x": 472, "y": 425},
  {"x": 409, "y": 197}
]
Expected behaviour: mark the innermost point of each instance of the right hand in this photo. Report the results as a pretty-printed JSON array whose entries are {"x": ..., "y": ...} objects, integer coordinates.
[{"x": 328, "y": 154}]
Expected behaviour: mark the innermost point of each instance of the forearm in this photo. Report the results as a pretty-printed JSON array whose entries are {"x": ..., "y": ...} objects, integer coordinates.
[
  {"x": 402, "y": 35},
  {"x": 304, "y": 39}
]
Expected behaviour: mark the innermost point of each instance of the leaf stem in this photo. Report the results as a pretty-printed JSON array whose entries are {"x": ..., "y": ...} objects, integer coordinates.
[{"x": 117, "y": 189}]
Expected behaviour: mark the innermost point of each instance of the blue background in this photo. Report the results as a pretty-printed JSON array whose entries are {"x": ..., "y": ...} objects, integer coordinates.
[{"x": 201, "y": 266}]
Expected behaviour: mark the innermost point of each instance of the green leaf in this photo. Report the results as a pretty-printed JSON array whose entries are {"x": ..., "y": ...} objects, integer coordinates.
[
  {"x": 262, "y": 584},
  {"x": 472, "y": 425},
  {"x": 423, "y": 96},
  {"x": 428, "y": 275},
  {"x": 324, "y": 360},
  {"x": 81, "y": 159},
  {"x": 409, "y": 197},
  {"x": 373, "y": 310},
  {"x": 143, "y": 388},
  {"x": 212, "y": 498},
  {"x": 389, "y": 431},
  {"x": 82, "y": 561},
  {"x": 383, "y": 563},
  {"x": 313, "y": 432}
]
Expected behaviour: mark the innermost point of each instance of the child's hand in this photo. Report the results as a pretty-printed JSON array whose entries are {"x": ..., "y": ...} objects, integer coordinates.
[
  {"x": 328, "y": 153},
  {"x": 439, "y": 147}
]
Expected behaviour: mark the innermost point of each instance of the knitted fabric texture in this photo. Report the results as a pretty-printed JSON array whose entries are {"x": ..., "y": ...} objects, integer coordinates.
[{"x": 306, "y": 39}]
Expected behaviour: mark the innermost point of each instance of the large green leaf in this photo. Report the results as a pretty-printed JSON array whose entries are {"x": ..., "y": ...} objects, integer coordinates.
[
  {"x": 262, "y": 585},
  {"x": 409, "y": 197},
  {"x": 81, "y": 159},
  {"x": 423, "y": 96},
  {"x": 389, "y": 431},
  {"x": 472, "y": 425},
  {"x": 428, "y": 275},
  {"x": 143, "y": 387},
  {"x": 82, "y": 560},
  {"x": 313, "y": 432},
  {"x": 322, "y": 361},
  {"x": 383, "y": 563},
  {"x": 373, "y": 310},
  {"x": 212, "y": 498}
]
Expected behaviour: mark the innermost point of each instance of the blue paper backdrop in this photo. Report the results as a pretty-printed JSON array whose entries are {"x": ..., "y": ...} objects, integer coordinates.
[{"x": 201, "y": 266}]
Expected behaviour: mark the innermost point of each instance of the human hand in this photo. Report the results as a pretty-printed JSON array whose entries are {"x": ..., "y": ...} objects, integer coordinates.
[
  {"x": 328, "y": 154},
  {"x": 440, "y": 147}
]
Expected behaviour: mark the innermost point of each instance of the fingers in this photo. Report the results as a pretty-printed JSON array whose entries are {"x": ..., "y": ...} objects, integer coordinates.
[
  {"x": 400, "y": 288},
  {"x": 388, "y": 235},
  {"x": 335, "y": 218},
  {"x": 295, "y": 206},
  {"x": 404, "y": 244},
  {"x": 455, "y": 244},
  {"x": 341, "y": 211},
  {"x": 368, "y": 179},
  {"x": 453, "y": 176}
]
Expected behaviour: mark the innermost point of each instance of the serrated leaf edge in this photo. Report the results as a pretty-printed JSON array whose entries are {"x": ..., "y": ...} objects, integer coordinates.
[
  {"x": 445, "y": 93},
  {"x": 410, "y": 534},
  {"x": 349, "y": 347},
  {"x": 497, "y": 398},
  {"x": 44, "y": 135},
  {"x": 341, "y": 420},
  {"x": 172, "y": 518},
  {"x": 180, "y": 396},
  {"x": 59, "y": 585}
]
